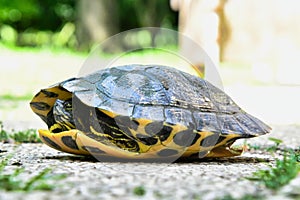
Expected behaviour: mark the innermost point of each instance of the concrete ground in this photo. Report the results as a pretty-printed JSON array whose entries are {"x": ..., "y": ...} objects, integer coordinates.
[{"x": 88, "y": 178}]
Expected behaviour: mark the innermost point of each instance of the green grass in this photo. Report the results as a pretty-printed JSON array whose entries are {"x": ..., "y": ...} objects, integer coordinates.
[
  {"x": 10, "y": 101},
  {"x": 245, "y": 197},
  {"x": 283, "y": 171},
  {"x": 10, "y": 97},
  {"x": 139, "y": 191},
  {"x": 36, "y": 49},
  {"x": 25, "y": 136},
  {"x": 272, "y": 148},
  {"x": 281, "y": 174},
  {"x": 44, "y": 180},
  {"x": 4, "y": 137}
]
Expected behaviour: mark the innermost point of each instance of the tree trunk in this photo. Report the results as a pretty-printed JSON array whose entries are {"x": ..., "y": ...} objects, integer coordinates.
[{"x": 97, "y": 20}]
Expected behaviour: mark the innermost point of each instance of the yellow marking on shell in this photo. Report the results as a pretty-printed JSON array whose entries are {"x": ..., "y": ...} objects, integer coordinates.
[
  {"x": 142, "y": 124},
  {"x": 113, "y": 142},
  {"x": 60, "y": 126},
  {"x": 54, "y": 126},
  {"x": 222, "y": 149},
  {"x": 80, "y": 122},
  {"x": 151, "y": 150},
  {"x": 106, "y": 136},
  {"x": 96, "y": 133},
  {"x": 108, "y": 113},
  {"x": 143, "y": 147},
  {"x": 57, "y": 139},
  {"x": 110, "y": 150},
  {"x": 41, "y": 97},
  {"x": 69, "y": 125},
  {"x": 196, "y": 147},
  {"x": 169, "y": 142},
  {"x": 66, "y": 123},
  {"x": 141, "y": 127},
  {"x": 229, "y": 137}
]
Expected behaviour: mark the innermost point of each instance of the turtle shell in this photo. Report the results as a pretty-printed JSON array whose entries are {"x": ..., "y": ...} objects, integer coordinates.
[{"x": 143, "y": 111}]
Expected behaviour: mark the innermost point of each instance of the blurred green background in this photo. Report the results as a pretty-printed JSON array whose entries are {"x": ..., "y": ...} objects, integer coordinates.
[
  {"x": 52, "y": 23},
  {"x": 46, "y": 41}
]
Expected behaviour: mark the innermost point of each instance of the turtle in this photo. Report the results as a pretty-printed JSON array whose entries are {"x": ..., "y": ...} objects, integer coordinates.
[{"x": 142, "y": 112}]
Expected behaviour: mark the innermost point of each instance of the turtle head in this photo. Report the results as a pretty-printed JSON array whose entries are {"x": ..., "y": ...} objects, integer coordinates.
[{"x": 63, "y": 116}]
